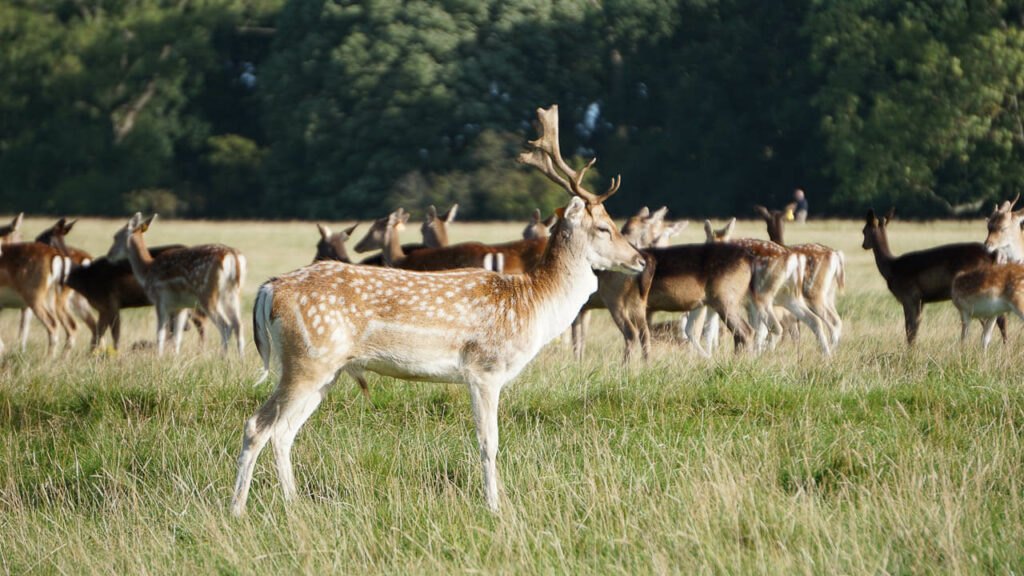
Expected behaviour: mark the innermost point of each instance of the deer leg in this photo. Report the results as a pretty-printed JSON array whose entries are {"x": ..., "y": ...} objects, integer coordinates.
[
  {"x": 912, "y": 318},
  {"x": 199, "y": 321},
  {"x": 986, "y": 335},
  {"x": 161, "y": 328},
  {"x": 695, "y": 319},
  {"x": 24, "y": 326},
  {"x": 180, "y": 318},
  {"x": 579, "y": 334},
  {"x": 292, "y": 415},
  {"x": 483, "y": 396},
  {"x": 357, "y": 375},
  {"x": 804, "y": 314},
  {"x": 1001, "y": 322},
  {"x": 115, "y": 329},
  {"x": 49, "y": 322},
  {"x": 104, "y": 322},
  {"x": 234, "y": 305},
  {"x": 965, "y": 327},
  {"x": 628, "y": 330},
  {"x": 80, "y": 306},
  {"x": 711, "y": 331}
]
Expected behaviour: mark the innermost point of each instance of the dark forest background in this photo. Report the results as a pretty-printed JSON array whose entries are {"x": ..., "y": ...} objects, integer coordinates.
[{"x": 341, "y": 110}]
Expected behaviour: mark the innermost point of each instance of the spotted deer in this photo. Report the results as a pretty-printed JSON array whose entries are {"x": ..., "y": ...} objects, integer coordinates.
[
  {"x": 434, "y": 230},
  {"x": 30, "y": 275},
  {"x": 538, "y": 228},
  {"x": 68, "y": 299},
  {"x": 472, "y": 326},
  {"x": 918, "y": 278},
  {"x": 209, "y": 276},
  {"x": 824, "y": 276},
  {"x": 782, "y": 278},
  {"x": 1004, "y": 232},
  {"x": 332, "y": 244},
  {"x": 988, "y": 293}
]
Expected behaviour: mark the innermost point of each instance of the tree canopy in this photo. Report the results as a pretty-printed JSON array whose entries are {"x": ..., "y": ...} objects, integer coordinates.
[{"x": 342, "y": 109}]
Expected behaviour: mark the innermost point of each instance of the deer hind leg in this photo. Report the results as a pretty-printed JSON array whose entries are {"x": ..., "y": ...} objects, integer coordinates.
[
  {"x": 162, "y": 318},
  {"x": 579, "y": 334},
  {"x": 694, "y": 326},
  {"x": 180, "y": 318},
  {"x": 292, "y": 415},
  {"x": 805, "y": 315},
  {"x": 712, "y": 330},
  {"x": 50, "y": 323},
  {"x": 483, "y": 397},
  {"x": 80, "y": 306},
  {"x": 24, "y": 326},
  {"x": 986, "y": 335}
]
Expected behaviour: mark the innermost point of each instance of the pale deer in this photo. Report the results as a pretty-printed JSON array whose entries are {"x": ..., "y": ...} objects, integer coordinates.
[
  {"x": 917, "y": 278},
  {"x": 1004, "y": 232},
  {"x": 537, "y": 228},
  {"x": 30, "y": 274},
  {"x": 474, "y": 327},
  {"x": 824, "y": 277},
  {"x": 988, "y": 293},
  {"x": 781, "y": 272},
  {"x": 209, "y": 277},
  {"x": 332, "y": 244},
  {"x": 434, "y": 230}
]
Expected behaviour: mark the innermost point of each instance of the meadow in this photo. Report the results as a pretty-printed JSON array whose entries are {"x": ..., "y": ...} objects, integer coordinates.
[{"x": 881, "y": 460}]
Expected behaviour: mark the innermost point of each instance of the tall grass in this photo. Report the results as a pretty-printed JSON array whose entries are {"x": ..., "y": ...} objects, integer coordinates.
[{"x": 881, "y": 460}]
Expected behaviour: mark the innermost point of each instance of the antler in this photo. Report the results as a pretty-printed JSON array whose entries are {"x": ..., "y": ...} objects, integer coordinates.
[{"x": 547, "y": 156}]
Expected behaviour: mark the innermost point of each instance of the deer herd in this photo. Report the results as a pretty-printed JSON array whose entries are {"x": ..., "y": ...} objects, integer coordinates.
[{"x": 476, "y": 314}]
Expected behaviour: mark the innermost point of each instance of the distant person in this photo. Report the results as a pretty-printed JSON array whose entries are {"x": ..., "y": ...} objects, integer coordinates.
[{"x": 801, "y": 206}]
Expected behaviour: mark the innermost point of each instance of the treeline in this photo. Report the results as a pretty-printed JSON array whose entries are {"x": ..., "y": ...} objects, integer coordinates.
[{"x": 344, "y": 109}]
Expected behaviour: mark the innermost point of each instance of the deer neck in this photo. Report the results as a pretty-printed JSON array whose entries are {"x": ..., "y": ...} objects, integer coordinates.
[
  {"x": 883, "y": 255},
  {"x": 392, "y": 252},
  {"x": 139, "y": 256},
  {"x": 560, "y": 284}
]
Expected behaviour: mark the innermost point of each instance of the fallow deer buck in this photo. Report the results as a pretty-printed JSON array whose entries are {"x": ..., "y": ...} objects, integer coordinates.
[
  {"x": 434, "y": 230},
  {"x": 781, "y": 272},
  {"x": 537, "y": 228},
  {"x": 824, "y": 276},
  {"x": 474, "y": 327},
  {"x": 918, "y": 278},
  {"x": 30, "y": 274},
  {"x": 209, "y": 277},
  {"x": 332, "y": 244},
  {"x": 988, "y": 293}
]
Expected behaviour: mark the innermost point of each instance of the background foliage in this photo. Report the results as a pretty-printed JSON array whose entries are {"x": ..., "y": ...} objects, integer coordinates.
[{"x": 343, "y": 109}]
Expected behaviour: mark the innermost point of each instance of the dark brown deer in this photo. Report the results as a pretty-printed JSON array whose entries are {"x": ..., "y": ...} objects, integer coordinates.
[
  {"x": 434, "y": 230},
  {"x": 922, "y": 277},
  {"x": 538, "y": 228},
  {"x": 332, "y": 244}
]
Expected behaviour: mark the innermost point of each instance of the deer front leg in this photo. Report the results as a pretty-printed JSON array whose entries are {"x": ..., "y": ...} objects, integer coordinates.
[
  {"x": 965, "y": 327},
  {"x": 483, "y": 396},
  {"x": 24, "y": 326},
  {"x": 986, "y": 335},
  {"x": 912, "y": 319}
]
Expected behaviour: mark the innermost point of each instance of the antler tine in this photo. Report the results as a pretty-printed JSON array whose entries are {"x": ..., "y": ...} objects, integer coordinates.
[
  {"x": 540, "y": 160},
  {"x": 612, "y": 188},
  {"x": 548, "y": 145}
]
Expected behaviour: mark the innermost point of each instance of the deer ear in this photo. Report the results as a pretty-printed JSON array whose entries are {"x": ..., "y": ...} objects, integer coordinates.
[
  {"x": 69, "y": 225},
  {"x": 870, "y": 218},
  {"x": 709, "y": 231},
  {"x": 574, "y": 210},
  {"x": 535, "y": 216},
  {"x": 890, "y": 215},
  {"x": 449, "y": 216},
  {"x": 405, "y": 218},
  {"x": 16, "y": 223},
  {"x": 660, "y": 213},
  {"x": 145, "y": 225},
  {"x": 431, "y": 214},
  {"x": 325, "y": 232},
  {"x": 348, "y": 231},
  {"x": 135, "y": 221},
  {"x": 550, "y": 221},
  {"x": 730, "y": 227},
  {"x": 762, "y": 211},
  {"x": 643, "y": 212}
]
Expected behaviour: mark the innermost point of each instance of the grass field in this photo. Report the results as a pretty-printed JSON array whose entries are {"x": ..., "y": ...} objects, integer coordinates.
[{"x": 879, "y": 461}]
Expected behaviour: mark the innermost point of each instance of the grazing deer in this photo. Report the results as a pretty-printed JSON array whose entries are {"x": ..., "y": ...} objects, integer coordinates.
[
  {"x": 918, "y": 278},
  {"x": 474, "y": 327},
  {"x": 30, "y": 274},
  {"x": 824, "y": 277},
  {"x": 988, "y": 292},
  {"x": 332, "y": 244},
  {"x": 537, "y": 228},
  {"x": 782, "y": 278},
  {"x": 209, "y": 276},
  {"x": 1004, "y": 232},
  {"x": 434, "y": 230}
]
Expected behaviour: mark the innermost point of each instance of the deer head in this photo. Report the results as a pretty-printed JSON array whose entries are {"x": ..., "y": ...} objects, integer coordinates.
[
  {"x": 584, "y": 217},
  {"x": 129, "y": 235},
  {"x": 1004, "y": 232},
  {"x": 435, "y": 228},
  {"x": 538, "y": 228},
  {"x": 874, "y": 230},
  {"x": 722, "y": 235},
  {"x": 332, "y": 244}
]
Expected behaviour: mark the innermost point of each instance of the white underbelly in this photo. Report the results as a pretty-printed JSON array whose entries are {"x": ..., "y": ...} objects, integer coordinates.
[
  {"x": 412, "y": 352},
  {"x": 983, "y": 307}
]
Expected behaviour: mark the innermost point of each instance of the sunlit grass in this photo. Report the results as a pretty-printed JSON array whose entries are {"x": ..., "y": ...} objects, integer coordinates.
[{"x": 881, "y": 460}]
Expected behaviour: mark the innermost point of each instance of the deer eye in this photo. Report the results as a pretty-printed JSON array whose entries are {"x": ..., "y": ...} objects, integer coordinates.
[{"x": 604, "y": 230}]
